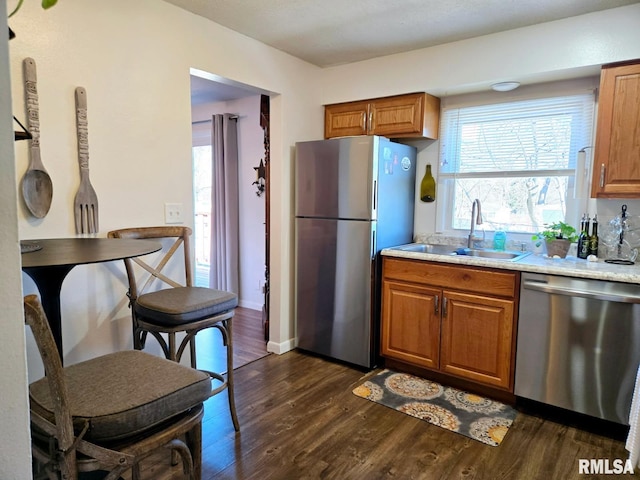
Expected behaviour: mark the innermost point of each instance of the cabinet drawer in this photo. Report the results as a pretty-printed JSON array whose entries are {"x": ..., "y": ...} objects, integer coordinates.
[{"x": 469, "y": 279}]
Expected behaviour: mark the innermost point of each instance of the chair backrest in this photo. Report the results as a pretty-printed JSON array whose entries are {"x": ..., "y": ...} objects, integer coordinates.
[
  {"x": 37, "y": 321},
  {"x": 180, "y": 237},
  {"x": 63, "y": 453}
]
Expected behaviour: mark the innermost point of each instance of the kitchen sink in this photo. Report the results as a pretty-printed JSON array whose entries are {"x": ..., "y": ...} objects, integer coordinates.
[
  {"x": 427, "y": 248},
  {"x": 493, "y": 254},
  {"x": 435, "y": 249}
]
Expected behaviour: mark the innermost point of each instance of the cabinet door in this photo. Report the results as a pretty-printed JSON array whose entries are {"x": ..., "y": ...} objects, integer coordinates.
[
  {"x": 346, "y": 119},
  {"x": 477, "y": 338},
  {"x": 616, "y": 171},
  {"x": 397, "y": 115},
  {"x": 411, "y": 323},
  {"x": 415, "y": 115}
]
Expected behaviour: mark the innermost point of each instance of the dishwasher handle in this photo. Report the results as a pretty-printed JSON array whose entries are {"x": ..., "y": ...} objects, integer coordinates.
[{"x": 575, "y": 292}]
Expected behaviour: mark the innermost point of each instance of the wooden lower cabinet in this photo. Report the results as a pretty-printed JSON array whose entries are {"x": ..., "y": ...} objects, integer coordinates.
[
  {"x": 477, "y": 334},
  {"x": 415, "y": 339},
  {"x": 466, "y": 334}
]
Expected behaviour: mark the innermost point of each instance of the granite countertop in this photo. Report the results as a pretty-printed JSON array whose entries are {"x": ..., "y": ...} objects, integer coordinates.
[{"x": 535, "y": 263}]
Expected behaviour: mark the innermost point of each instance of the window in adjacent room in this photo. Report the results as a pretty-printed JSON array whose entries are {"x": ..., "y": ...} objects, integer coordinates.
[
  {"x": 201, "y": 157},
  {"x": 518, "y": 158}
]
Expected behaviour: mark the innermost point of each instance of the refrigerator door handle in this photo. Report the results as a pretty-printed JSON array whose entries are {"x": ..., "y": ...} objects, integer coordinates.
[
  {"x": 375, "y": 197},
  {"x": 373, "y": 244}
]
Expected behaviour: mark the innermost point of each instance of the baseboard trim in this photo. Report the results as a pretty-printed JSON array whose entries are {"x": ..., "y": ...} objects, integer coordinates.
[
  {"x": 249, "y": 304},
  {"x": 283, "y": 347}
]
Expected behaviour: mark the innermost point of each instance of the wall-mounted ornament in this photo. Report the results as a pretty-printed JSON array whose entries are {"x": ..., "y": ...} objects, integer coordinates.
[
  {"x": 37, "y": 187},
  {"x": 85, "y": 204},
  {"x": 260, "y": 171},
  {"x": 428, "y": 186}
]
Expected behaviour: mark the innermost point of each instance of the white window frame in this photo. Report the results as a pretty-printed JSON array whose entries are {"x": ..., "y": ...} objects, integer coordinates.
[{"x": 579, "y": 186}]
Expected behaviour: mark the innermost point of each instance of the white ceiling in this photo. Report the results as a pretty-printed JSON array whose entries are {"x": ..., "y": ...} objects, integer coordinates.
[{"x": 333, "y": 32}]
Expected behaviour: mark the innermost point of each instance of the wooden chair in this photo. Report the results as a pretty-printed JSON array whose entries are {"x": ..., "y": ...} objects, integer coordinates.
[
  {"x": 109, "y": 413},
  {"x": 179, "y": 308}
]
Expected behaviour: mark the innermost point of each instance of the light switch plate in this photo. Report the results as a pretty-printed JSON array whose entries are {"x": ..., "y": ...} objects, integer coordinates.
[{"x": 173, "y": 213}]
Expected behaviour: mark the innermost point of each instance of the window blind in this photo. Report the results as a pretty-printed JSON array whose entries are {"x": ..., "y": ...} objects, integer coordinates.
[{"x": 540, "y": 137}]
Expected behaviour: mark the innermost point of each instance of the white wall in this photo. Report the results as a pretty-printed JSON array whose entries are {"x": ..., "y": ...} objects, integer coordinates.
[
  {"x": 252, "y": 207},
  {"x": 15, "y": 447}
]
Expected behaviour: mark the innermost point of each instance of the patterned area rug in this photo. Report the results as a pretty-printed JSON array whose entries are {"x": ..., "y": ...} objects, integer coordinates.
[{"x": 476, "y": 417}]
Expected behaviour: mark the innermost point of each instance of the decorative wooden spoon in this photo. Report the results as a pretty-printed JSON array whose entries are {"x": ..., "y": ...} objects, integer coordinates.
[{"x": 37, "y": 188}]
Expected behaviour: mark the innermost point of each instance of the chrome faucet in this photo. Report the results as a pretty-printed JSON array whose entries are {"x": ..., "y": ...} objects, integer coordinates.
[{"x": 477, "y": 221}]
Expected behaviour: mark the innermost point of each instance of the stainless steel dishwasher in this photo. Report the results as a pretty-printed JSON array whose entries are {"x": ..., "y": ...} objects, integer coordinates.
[{"x": 578, "y": 344}]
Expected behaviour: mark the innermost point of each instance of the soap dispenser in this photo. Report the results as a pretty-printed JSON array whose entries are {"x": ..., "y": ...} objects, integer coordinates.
[{"x": 499, "y": 239}]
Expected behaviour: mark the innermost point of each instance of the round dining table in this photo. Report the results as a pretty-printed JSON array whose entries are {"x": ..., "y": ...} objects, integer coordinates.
[{"x": 48, "y": 261}]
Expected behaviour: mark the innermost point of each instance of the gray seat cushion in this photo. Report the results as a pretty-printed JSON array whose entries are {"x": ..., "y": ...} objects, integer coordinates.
[
  {"x": 177, "y": 306},
  {"x": 124, "y": 393}
]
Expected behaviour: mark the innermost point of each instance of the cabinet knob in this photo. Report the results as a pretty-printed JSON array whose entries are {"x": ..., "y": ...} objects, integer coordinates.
[
  {"x": 436, "y": 305},
  {"x": 602, "y": 176}
]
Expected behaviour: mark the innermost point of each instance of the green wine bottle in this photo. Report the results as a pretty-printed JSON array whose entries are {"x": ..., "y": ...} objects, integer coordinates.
[
  {"x": 593, "y": 238},
  {"x": 428, "y": 186},
  {"x": 583, "y": 239}
]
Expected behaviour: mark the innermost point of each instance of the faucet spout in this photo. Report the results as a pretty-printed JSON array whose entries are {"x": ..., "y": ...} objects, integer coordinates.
[{"x": 474, "y": 221}]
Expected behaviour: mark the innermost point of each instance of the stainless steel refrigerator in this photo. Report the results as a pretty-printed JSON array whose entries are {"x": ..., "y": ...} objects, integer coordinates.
[{"x": 353, "y": 197}]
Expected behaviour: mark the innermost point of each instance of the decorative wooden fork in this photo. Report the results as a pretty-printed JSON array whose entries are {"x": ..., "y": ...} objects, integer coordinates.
[{"x": 85, "y": 206}]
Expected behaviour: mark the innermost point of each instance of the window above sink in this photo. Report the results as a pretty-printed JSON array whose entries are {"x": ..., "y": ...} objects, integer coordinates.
[{"x": 520, "y": 158}]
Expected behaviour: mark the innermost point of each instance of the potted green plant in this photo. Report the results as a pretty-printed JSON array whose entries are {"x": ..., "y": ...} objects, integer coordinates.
[
  {"x": 45, "y": 4},
  {"x": 558, "y": 237}
]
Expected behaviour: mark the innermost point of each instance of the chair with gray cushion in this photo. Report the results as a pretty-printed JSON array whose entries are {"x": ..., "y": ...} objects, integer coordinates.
[
  {"x": 104, "y": 416},
  {"x": 179, "y": 307}
]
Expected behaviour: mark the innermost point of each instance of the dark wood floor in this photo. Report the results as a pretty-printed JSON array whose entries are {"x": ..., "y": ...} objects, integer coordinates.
[
  {"x": 248, "y": 342},
  {"x": 299, "y": 420}
]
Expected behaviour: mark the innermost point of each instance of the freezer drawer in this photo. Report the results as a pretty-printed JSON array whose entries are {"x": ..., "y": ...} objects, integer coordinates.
[{"x": 578, "y": 344}]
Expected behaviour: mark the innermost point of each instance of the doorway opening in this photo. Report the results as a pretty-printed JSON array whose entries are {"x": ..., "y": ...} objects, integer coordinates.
[{"x": 211, "y": 95}]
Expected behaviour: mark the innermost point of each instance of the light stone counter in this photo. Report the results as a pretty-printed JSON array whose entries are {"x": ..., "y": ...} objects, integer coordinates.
[{"x": 535, "y": 263}]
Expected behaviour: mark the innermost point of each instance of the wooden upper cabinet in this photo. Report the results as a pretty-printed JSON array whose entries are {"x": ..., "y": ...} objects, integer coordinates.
[
  {"x": 346, "y": 119},
  {"x": 616, "y": 165},
  {"x": 415, "y": 115}
]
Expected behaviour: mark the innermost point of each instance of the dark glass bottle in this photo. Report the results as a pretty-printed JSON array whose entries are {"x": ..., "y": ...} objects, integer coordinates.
[
  {"x": 593, "y": 238},
  {"x": 428, "y": 186},
  {"x": 583, "y": 239}
]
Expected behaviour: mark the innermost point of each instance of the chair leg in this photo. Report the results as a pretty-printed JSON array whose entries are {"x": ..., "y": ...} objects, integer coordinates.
[
  {"x": 138, "y": 341},
  {"x": 192, "y": 352},
  {"x": 194, "y": 443},
  {"x": 172, "y": 347},
  {"x": 232, "y": 403},
  {"x": 183, "y": 451},
  {"x": 135, "y": 472}
]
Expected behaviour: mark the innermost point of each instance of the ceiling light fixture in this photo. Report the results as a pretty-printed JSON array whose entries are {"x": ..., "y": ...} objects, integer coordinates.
[{"x": 505, "y": 86}]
